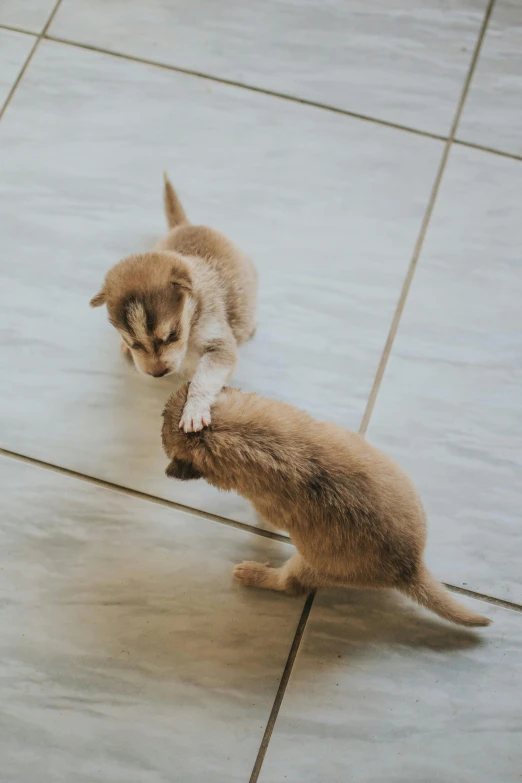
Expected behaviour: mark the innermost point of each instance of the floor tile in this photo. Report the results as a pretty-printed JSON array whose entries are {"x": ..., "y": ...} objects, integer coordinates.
[
  {"x": 126, "y": 652},
  {"x": 450, "y": 406},
  {"x": 397, "y": 60},
  {"x": 382, "y": 691},
  {"x": 30, "y": 15},
  {"x": 493, "y": 112},
  {"x": 14, "y": 50},
  {"x": 328, "y": 206}
]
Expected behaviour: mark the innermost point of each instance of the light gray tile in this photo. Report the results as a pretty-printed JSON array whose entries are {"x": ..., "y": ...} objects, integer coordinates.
[
  {"x": 14, "y": 50},
  {"x": 126, "y": 652},
  {"x": 493, "y": 112},
  {"x": 30, "y": 15},
  {"x": 399, "y": 60},
  {"x": 450, "y": 407},
  {"x": 381, "y": 691},
  {"x": 328, "y": 207}
]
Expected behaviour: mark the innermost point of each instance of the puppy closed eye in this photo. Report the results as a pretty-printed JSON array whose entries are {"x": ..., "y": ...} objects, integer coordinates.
[
  {"x": 172, "y": 338},
  {"x": 138, "y": 347}
]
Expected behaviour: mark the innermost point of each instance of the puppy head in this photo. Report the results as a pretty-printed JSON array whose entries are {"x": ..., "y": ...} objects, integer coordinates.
[
  {"x": 150, "y": 302},
  {"x": 180, "y": 447}
]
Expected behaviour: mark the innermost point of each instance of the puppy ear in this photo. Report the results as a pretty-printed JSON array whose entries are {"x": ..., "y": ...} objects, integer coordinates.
[
  {"x": 98, "y": 300},
  {"x": 181, "y": 279},
  {"x": 180, "y": 469}
]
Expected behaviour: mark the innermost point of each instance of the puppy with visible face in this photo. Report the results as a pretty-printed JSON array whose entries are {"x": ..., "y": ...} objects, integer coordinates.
[
  {"x": 353, "y": 514},
  {"x": 184, "y": 308}
]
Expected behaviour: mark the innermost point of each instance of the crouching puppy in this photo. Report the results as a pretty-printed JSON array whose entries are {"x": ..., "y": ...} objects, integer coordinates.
[
  {"x": 184, "y": 308},
  {"x": 353, "y": 515}
]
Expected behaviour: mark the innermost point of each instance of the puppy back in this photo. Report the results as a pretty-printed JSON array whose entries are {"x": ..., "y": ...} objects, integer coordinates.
[{"x": 266, "y": 448}]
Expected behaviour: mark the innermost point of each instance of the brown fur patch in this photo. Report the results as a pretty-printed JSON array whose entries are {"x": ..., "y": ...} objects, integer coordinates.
[{"x": 183, "y": 470}]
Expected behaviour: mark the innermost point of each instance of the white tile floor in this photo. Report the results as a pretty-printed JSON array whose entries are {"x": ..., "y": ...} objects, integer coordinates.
[
  {"x": 28, "y": 15},
  {"x": 14, "y": 50},
  {"x": 126, "y": 653}
]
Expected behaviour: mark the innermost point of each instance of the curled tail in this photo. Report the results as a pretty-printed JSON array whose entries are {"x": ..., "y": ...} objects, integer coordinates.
[
  {"x": 428, "y": 591},
  {"x": 173, "y": 210}
]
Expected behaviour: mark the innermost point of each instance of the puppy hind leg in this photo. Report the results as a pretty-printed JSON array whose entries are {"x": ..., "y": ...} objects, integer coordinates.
[{"x": 295, "y": 577}]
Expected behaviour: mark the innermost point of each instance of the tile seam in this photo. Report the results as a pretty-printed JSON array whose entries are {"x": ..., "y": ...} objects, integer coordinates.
[
  {"x": 38, "y": 37},
  {"x": 248, "y": 87},
  {"x": 264, "y": 91},
  {"x": 390, "y": 339},
  {"x": 484, "y": 597},
  {"x": 281, "y": 690},
  {"x": 140, "y": 495},
  {"x": 471, "y": 145},
  {"x": 14, "y": 29}
]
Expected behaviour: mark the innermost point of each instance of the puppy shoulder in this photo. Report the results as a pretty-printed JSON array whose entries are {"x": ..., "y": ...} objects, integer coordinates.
[{"x": 211, "y": 325}]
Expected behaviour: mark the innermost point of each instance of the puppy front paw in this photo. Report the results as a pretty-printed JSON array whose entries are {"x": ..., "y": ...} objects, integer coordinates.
[{"x": 194, "y": 417}]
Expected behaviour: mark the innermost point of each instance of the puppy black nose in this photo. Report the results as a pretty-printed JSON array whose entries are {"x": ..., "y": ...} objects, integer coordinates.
[{"x": 159, "y": 374}]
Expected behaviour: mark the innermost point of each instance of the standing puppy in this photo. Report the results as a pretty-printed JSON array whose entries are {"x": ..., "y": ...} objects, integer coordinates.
[
  {"x": 353, "y": 515},
  {"x": 184, "y": 308}
]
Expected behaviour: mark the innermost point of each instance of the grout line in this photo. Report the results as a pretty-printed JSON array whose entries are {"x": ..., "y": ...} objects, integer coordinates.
[
  {"x": 28, "y": 58},
  {"x": 19, "y": 78},
  {"x": 424, "y": 227},
  {"x": 489, "y": 599},
  {"x": 273, "y": 93},
  {"x": 14, "y": 29},
  {"x": 274, "y": 712},
  {"x": 483, "y": 148},
  {"x": 136, "y": 493},
  {"x": 249, "y": 87}
]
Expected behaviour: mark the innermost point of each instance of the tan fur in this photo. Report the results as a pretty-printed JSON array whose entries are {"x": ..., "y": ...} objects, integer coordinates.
[
  {"x": 353, "y": 514},
  {"x": 184, "y": 308},
  {"x": 174, "y": 212}
]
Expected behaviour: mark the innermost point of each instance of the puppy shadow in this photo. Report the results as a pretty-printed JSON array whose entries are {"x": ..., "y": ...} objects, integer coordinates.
[
  {"x": 167, "y": 612},
  {"x": 171, "y": 613},
  {"x": 351, "y": 624}
]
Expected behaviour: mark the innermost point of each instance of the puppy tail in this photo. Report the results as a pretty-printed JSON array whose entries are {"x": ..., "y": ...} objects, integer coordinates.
[
  {"x": 174, "y": 212},
  {"x": 430, "y": 593}
]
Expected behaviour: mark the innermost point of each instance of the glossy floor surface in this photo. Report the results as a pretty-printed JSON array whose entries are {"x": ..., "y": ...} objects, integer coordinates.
[{"x": 368, "y": 157}]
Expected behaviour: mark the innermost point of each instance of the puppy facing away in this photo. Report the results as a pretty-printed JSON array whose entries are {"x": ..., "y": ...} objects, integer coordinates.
[
  {"x": 184, "y": 308},
  {"x": 353, "y": 515}
]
